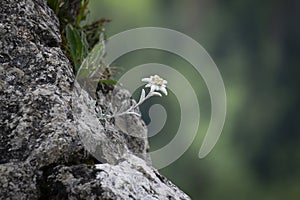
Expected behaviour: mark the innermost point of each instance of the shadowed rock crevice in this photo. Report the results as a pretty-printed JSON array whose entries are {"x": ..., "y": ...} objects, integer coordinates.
[{"x": 52, "y": 145}]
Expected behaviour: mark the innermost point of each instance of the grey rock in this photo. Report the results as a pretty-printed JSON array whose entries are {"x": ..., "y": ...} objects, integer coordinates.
[
  {"x": 49, "y": 131},
  {"x": 105, "y": 141},
  {"x": 131, "y": 178},
  {"x": 130, "y": 128}
]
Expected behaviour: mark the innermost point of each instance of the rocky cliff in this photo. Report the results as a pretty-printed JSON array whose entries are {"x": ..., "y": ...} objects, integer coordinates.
[{"x": 52, "y": 145}]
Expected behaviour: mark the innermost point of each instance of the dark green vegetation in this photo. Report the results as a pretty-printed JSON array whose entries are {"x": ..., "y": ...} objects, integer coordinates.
[{"x": 78, "y": 36}]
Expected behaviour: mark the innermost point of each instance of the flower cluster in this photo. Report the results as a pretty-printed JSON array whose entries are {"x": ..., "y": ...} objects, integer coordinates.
[{"x": 156, "y": 85}]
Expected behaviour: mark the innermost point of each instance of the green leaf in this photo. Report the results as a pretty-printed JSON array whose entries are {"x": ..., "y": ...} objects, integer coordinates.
[
  {"x": 54, "y": 5},
  {"x": 82, "y": 12},
  {"x": 73, "y": 41},
  {"x": 85, "y": 44},
  {"x": 78, "y": 45},
  {"x": 96, "y": 55},
  {"x": 83, "y": 73}
]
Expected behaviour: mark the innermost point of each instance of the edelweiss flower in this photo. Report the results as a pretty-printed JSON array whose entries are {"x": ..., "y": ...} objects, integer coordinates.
[{"x": 156, "y": 84}]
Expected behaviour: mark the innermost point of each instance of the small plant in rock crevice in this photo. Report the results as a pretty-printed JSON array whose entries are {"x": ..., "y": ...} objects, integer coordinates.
[{"x": 78, "y": 36}]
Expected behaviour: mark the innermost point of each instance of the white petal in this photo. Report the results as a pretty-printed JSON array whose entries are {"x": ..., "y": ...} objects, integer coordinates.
[
  {"x": 142, "y": 95},
  {"x": 146, "y": 80},
  {"x": 156, "y": 94},
  {"x": 164, "y": 90},
  {"x": 148, "y": 85},
  {"x": 153, "y": 88}
]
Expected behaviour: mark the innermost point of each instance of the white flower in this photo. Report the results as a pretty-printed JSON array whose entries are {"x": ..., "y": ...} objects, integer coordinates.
[{"x": 156, "y": 84}]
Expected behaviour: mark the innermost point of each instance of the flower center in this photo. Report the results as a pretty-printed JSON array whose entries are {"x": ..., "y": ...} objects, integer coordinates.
[{"x": 158, "y": 81}]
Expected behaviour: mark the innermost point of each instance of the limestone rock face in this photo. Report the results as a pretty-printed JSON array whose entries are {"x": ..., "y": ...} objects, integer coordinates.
[{"x": 52, "y": 145}]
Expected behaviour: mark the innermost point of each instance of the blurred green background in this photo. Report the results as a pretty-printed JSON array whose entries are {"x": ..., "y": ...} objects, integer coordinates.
[{"x": 256, "y": 46}]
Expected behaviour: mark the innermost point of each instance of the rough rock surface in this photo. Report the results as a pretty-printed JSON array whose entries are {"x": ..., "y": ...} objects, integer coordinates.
[{"x": 47, "y": 123}]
